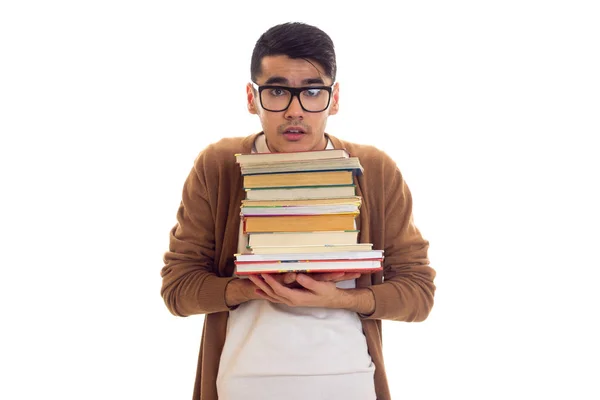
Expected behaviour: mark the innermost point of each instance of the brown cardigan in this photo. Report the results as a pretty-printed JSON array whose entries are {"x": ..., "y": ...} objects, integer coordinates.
[{"x": 199, "y": 263}]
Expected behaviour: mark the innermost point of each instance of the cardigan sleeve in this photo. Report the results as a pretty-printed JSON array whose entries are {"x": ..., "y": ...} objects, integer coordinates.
[
  {"x": 407, "y": 291},
  {"x": 189, "y": 282}
]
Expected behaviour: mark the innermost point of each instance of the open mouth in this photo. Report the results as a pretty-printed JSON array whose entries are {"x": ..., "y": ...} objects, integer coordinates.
[
  {"x": 294, "y": 131},
  {"x": 293, "y": 134}
]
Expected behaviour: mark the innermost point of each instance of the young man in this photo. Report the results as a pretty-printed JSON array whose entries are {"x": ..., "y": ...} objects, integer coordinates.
[{"x": 293, "y": 336}]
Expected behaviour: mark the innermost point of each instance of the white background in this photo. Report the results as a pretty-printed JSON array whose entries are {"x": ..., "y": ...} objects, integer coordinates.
[{"x": 490, "y": 108}]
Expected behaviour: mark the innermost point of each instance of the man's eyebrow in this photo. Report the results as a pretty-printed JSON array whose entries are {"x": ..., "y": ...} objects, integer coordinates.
[
  {"x": 280, "y": 80},
  {"x": 312, "y": 81},
  {"x": 277, "y": 80}
]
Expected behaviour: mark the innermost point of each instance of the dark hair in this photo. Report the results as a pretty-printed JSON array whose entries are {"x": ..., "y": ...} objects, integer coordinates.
[{"x": 295, "y": 40}]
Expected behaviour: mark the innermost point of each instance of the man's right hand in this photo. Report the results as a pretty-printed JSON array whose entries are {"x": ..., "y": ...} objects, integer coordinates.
[{"x": 239, "y": 291}]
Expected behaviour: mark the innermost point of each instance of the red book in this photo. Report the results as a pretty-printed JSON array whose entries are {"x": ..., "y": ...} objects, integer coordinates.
[{"x": 307, "y": 266}]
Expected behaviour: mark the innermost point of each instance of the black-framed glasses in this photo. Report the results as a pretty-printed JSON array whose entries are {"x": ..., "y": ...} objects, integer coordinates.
[{"x": 277, "y": 98}]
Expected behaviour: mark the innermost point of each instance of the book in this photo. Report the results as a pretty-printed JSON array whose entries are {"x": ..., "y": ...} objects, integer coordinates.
[
  {"x": 301, "y": 207},
  {"x": 302, "y": 238},
  {"x": 302, "y": 202},
  {"x": 293, "y": 193},
  {"x": 273, "y": 267},
  {"x": 299, "y": 223},
  {"x": 316, "y": 256},
  {"x": 299, "y": 214},
  {"x": 351, "y": 163},
  {"x": 314, "y": 178},
  {"x": 331, "y": 248},
  {"x": 301, "y": 210},
  {"x": 291, "y": 156}
]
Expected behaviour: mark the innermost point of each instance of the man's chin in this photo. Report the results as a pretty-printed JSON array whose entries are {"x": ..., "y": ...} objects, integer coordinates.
[
  {"x": 294, "y": 146},
  {"x": 286, "y": 143}
]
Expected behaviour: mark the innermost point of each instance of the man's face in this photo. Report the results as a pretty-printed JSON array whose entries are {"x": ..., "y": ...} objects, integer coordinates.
[{"x": 293, "y": 129}]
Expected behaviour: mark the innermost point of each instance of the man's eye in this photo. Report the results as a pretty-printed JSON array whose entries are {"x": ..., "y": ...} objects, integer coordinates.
[
  {"x": 278, "y": 92},
  {"x": 312, "y": 92}
]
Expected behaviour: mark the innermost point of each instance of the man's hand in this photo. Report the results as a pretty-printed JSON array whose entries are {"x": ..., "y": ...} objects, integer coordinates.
[
  {"x": 301, "y": 290},
  {"x": 334, "y": 276},
  {"x": 289, "y": 278},
  {"x": 318, "y": 290},
  {"x": 239, "y": 291}
]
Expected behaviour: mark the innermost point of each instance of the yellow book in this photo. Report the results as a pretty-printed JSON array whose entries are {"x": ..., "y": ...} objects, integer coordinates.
[
  {"x": 299, "y": 223},
  {"x": 292, "y": 179}
]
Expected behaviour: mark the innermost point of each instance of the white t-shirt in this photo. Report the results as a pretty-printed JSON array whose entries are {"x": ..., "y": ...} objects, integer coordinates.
[{"x": 273, "y": 351}]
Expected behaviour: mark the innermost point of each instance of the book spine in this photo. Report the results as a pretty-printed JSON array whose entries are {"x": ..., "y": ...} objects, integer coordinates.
[{"x": 307, "y": 271}]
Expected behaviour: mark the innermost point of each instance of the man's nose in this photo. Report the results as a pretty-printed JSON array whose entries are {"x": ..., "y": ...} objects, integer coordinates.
[{"x": 295, "y": 109}]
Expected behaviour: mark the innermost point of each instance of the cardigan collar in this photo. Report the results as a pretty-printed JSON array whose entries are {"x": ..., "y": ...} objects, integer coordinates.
[{"x": 248, "y": 142}]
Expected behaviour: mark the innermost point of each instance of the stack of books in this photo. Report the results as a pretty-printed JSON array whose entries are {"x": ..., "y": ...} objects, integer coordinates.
[{"x": 300, "y": 214}]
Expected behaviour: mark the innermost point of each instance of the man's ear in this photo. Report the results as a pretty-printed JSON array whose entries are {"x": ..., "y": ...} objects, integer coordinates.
[
  {"x": 251, "y": 100},
  {"x": 335, "y": 99}
]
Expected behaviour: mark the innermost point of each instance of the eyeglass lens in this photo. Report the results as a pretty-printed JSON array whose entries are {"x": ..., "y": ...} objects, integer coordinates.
[{"x": 278, "y": 99}]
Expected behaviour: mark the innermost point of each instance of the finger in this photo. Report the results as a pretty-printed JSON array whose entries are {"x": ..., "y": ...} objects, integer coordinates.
[
  {"x": 255, "y": 279},
  {"x": 352, "y": 275},
  {"x": 265, "y": 290},
  {"x": 327, "y": 276},
  {"x": 346, "y": 276},
  {"x": 265, "y": 296},
  {"x": 289, "y": 278},
  {"x": 258, "y": 282},
  {"x": 278, "y": 290},
  {"x": 308, "y": 282},
  {"x": 261, "y": 284}
]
